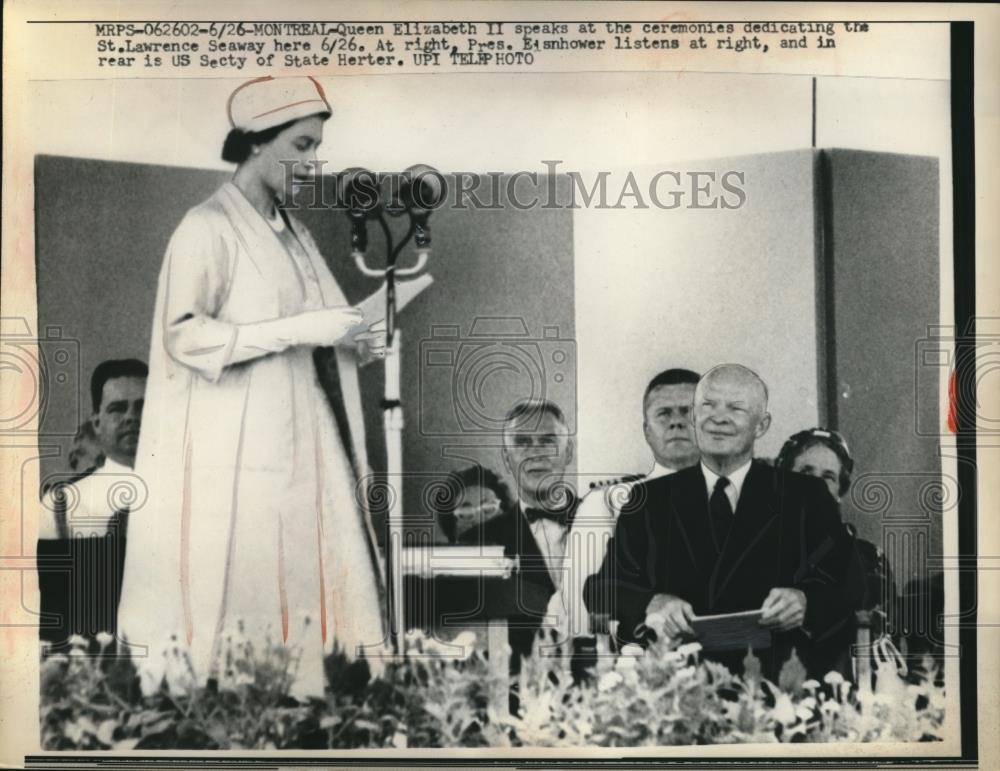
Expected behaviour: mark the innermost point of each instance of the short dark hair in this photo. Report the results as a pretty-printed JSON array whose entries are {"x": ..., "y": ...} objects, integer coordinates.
[
  {"x": 674, "y": 376},
  {"x": 111, "y": 369},
  {"x": 533, "y": 408},
  {"x": 239, "y": 143},
  {"x": 833, "y": 440},
  {"x": 457, "y": 483}
]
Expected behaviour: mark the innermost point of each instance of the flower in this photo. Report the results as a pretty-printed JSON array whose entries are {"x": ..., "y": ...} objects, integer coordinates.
[
  {"x": 657, "y": 699},
  {"x": 178, "y": 671},
  {"x": 628, "y": 656},
  {"x": 467, "y": 642},
  {"x": 104, "y": 639},
  {"x": 792, "y": 676},
  {"x": 833, "y": 678},
  {"x": 76, "y": 641},
  {"x": 609, "y": 680},
  {"x": 783, "y": 710}
]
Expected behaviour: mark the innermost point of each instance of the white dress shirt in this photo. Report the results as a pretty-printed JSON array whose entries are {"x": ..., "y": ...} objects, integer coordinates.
[
  {"x": 735, "y": 485},
  {"x": 91, "y": 501},
  {"x": 561, "y": 549},
  {"x": 551, "y": 539}
]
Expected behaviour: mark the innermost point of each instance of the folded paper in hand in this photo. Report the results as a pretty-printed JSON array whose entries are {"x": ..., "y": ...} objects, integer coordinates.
[{"x": 731, "y": 631}]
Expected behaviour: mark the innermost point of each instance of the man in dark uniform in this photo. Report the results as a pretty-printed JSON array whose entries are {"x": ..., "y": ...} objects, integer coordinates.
[
  {"x": 666, "y": 426},
  {"x": 728, "y": 535}
]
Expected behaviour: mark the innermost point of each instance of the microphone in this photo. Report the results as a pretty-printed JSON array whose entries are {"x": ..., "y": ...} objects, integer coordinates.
[
  {"x": 423, "y": 190},
  {"x": 360, "y": 195}
]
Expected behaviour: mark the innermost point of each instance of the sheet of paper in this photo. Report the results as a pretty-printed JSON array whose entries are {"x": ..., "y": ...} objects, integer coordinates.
[
  {"x": 732, "y": 631},
  {"x": 373, "y": 306}
]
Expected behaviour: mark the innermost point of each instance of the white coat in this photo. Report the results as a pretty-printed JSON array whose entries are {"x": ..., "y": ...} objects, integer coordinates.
[{"x": 255, "y": 521}]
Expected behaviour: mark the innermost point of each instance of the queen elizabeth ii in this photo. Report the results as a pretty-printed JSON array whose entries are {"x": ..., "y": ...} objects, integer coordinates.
[{"x": 256, "y": 513}]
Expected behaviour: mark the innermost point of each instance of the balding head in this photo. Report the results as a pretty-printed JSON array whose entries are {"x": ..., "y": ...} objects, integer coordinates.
[
  {"x": 740, "y": 376},
  {"x": 730, "y": 415}
]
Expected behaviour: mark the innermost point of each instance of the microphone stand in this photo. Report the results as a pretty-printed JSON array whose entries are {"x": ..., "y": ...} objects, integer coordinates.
[{"x": 392, "y": 409}]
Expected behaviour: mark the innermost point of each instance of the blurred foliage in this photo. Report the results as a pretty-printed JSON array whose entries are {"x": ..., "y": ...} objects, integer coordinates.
[{"x": 433, "y": 698}]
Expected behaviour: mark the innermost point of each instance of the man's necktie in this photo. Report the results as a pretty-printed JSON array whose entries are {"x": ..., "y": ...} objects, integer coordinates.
[{"x": 722, "y": 513}]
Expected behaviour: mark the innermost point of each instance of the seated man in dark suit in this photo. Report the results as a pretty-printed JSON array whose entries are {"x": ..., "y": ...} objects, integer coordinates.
[
  {"x": 537, "y": 450},
  {"x": 81, "y": 533},
  {"x": 728, "y": 535}
]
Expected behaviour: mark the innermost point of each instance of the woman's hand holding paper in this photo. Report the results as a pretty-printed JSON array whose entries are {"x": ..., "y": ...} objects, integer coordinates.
[
  {"x": 327, "y": 326},
  {"x": 371, "y": 342}
]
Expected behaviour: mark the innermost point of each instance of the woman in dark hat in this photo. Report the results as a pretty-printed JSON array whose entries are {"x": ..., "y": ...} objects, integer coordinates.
[{"x": 824, "y": 453}]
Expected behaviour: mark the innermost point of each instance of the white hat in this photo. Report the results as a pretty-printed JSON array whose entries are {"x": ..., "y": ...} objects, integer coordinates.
[{"x": 267, "y": 102}]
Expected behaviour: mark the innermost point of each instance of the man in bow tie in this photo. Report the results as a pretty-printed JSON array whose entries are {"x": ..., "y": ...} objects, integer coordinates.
[
  {"x": 728, "y": 535},
  {"x": 537, "y": 451}
]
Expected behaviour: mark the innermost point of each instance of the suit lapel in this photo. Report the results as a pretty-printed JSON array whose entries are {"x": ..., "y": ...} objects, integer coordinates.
[
  {"x": 689, "y": 508},
  {"x": 752, "y": 524},
  {"x": 532, "y": 561}
]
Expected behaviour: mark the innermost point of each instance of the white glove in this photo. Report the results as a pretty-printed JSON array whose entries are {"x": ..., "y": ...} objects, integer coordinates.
[
  {"x": 327, "y": 326},
  {"x": 371, "y": 342}
]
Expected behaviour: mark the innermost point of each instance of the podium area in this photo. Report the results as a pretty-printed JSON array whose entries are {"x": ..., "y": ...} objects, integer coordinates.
[{"x": 450, "y": 589}]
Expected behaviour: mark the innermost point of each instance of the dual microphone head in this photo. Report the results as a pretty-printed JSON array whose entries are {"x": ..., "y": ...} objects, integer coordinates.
[{"x": 367, "y": 195}]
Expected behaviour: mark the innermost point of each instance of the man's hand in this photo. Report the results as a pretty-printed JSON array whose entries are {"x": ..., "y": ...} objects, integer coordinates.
[
  {"x": 671, "y": 614},
  {"x": 783, "y": 609}
]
